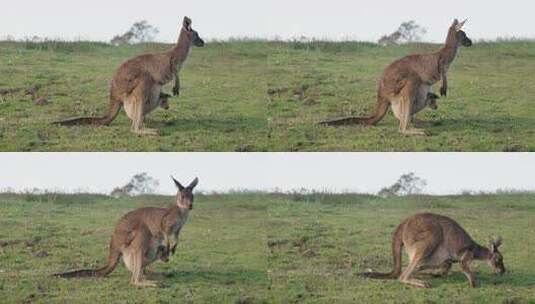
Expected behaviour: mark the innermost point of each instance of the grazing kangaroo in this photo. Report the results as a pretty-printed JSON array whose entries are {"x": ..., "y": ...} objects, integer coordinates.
[
  {"x": 138, "y": 83},
  {"x": 435, "y": 242},
  {"x": 407, "y": 82},
  {"x": 142, "y": 236},
  {"x": 432, "y": 101}
]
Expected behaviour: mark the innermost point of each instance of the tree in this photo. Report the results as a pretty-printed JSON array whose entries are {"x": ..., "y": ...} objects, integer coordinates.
[
  {"x": 139, "y": 184},
  {"x": 407, "y": 32},
  {"x": 407, "y": 184},
  {"x": 411, "y": 32},
  {"x": 140, "y": 31}
]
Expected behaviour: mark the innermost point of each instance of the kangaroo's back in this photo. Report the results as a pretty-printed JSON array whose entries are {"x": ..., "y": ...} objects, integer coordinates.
[
  {"x": 150, "y": 216},
  {"x": 442, "y": 232},
  {"x": 455, "y": 236}
]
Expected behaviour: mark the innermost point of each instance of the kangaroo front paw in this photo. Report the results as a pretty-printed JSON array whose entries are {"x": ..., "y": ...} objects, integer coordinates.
[{"x": 176, "y": 91}]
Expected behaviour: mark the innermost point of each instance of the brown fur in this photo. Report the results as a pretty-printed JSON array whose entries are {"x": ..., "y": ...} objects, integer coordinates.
[
  {"x": 142, "y": 236},
  {"x": 137, "y": 84},
  {"x": 435, "y": 242},
  {"x": 407, "y": 83}
]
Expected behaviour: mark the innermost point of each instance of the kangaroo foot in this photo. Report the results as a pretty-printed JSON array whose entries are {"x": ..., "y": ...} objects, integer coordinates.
[
  {"x": 417, "y": 283},
  {"x": 157, "y": 275},
  {"x": 147, "y": 131},
  {"x": 436, "y": 274},
  {"x": 146, "y": 283},
  {"x": 415, "y": 132}
]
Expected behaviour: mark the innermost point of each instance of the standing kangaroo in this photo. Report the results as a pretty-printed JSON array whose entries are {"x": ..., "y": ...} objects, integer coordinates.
[
  {"x": 142, "y": 236},
  {"x": 407, "y": 82},
  {"x": 138, "y": 83},
  {"x": 435, "y": 242}
]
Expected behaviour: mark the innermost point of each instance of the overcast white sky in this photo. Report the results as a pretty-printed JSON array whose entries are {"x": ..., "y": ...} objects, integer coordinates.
[
  {"x": 359, "y": 172},
  {"x": 333, "y": 19}
]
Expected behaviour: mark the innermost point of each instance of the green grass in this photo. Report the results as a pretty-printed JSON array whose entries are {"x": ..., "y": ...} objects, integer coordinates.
[
  {"x": 221, "y": 256},
  {"x": 225, "y": 105},
  {"x": 260, "y": 248},
  {"x": 221, "y": 106},
  {"x": 488, "y": 107}
]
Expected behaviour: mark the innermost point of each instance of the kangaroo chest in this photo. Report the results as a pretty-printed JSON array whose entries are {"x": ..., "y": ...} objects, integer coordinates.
[{"x": 175, "y": 228}]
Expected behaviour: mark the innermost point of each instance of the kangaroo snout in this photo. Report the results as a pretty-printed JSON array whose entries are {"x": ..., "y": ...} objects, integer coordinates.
[{"x": 199, "y": 42}]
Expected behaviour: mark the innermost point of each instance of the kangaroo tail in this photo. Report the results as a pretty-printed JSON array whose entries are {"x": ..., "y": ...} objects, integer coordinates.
[
  {"x": 397, "y": 246},
  {"x": 113, "y": 260},
  {"x": 380, "y": 112},
  {"x": 115, "y": 107}
]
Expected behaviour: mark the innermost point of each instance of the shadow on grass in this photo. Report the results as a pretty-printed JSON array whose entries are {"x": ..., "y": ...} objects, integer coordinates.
[
  {"x": 204, "y": 123},
  {"x": 215, "y": 277},
  {"x": 487, "y": 280},
  {"x": 491, "y": 125},
  {"x": 230, "y": 123}
]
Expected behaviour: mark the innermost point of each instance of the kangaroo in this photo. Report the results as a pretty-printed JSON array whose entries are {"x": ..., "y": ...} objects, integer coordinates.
[
  {"x": 168, "y": 221},
  {"x": 407, "y": 82},
  {"x": 138, "y": 247},
  {"x": 435, "y": 242},
  {"x": 138, "y": 83},
  {"x": 142, "y": 236}
]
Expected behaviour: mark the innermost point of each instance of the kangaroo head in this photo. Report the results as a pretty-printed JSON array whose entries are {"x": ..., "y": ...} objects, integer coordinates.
[
  {"x": 184, "y": 197},
  {"x": 460, "y": 35},
  {"x": 163, "y": 253},
  {"x": 164, "y": 101},
  {"x": 192, "y": 34},
  {"x": 432, "y": 100},
  {"x": 496, "y": 259}
]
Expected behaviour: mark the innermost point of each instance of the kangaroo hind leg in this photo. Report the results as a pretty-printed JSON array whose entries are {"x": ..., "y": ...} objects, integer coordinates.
[
  {"x": 421, "y": 251},
  {"x": 138, "y": 278},
  {"x": 138, "y": 249},
  {"x": 407, "y": 275},
  {"x": 408, "y": 96},
  {"x": 136, "y": 107}
]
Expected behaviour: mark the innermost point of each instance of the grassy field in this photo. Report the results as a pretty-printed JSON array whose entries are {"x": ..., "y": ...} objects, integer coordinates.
[
  {"x": 488, "y": 107},
  {"x": 259, "y": 248},
  {"x": 240, "y": 96},
  {"x": 221, "y": 257},
  {"x": 221, "y": 107}
]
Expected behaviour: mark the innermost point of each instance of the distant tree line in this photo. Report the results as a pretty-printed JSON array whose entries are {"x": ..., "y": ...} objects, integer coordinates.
[
  {"x": 407, "y": 32},
  {"x": 139, "y": 32},
  {"x": 139, "y": 184},
  {"x": 407, "y": 184}
]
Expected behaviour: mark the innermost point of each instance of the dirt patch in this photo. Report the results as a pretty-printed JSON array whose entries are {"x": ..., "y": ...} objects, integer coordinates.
[
  {"x": 309, "y": 253},
  {"x": 245, "y": 300},
  {"x": 41, "y": 254},
  {"x": 41, "y": 101},
  {"x": 374, "y": 262},
  {"x": 276, "y": 243},
  {"x": 31, "y": 91},
  {"x": 28, "y": 243}
]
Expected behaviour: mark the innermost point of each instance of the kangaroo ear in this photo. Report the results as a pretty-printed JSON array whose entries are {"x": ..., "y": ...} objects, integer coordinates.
[
  {"x": 459, "y": 26},
  {"x": 193, "y": 183},
  {"x": 177, "y": 184},
  {"x": 495, "y": 244},
  {"x": 187, "y": 23}
]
